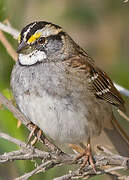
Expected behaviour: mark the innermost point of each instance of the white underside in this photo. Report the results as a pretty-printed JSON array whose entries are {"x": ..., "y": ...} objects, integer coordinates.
[
  {"x": 55, "y": 118},
  {"x": 32, "y": 58},
  {"x": 59, "y": 120}
]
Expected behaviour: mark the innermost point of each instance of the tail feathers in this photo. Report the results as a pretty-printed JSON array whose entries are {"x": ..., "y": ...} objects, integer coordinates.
[
  {"x": 121, "y": 131},
  {"x": 118, "y": 138}
]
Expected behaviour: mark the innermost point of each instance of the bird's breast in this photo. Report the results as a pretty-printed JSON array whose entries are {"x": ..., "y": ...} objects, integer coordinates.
[{"x": 59, "y": 104}]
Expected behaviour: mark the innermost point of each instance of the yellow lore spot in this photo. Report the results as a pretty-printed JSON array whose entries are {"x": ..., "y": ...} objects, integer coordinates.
[
  {"x": 34, "y": 37},
  {"x": 19, "y": 38}
]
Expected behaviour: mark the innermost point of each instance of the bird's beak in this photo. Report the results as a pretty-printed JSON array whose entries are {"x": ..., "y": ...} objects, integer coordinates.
[{"x": 22, "y": 46}]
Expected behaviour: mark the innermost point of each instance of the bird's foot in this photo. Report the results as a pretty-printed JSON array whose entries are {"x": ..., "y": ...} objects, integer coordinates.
[
  {"x": 35, "y": 130},
  {"x": 87, "y": 154}
]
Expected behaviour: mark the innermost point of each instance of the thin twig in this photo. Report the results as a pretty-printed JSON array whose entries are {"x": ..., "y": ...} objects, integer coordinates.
[
  {"x": 76, "y": 174},
  {"x": 67, "y": 176},
  {"x": 42, "y": 168},
  {"x": 123, "y": 115},
  {"x": 26, "y": 151},
  {"x": 9, "y": 30},
  {"x": 12, "y": 139},
  {"x": 24, "y": 154},
  {"x": 8, "y": 46},
  {"x": 125, "y": 1},
  {"x": 122, "y": 90},
  {"x": 17, "y": 114}
]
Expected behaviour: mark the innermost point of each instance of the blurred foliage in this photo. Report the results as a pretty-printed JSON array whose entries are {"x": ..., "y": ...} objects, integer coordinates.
[
  {"x": 2, "y": 10},
  {"x": 82, "y": 13},
  {"x": 101, "y": 27}
]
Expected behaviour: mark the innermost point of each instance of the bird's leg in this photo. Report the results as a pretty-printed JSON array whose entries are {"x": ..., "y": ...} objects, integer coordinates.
[
  {"x": 88, "y": 156},
  {"x": 34, "y": 141},
  {"x": 31, "y": 133},
  {"x": 38, "y": 133},
  {"x": 87, "y": 153},
  {"x": 36, "y": 138}
]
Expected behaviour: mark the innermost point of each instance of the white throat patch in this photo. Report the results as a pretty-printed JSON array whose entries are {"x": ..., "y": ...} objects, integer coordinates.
[{"x": 32, "y": 58}]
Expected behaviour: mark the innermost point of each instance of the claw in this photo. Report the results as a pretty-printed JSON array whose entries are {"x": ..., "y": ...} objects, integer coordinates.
[
  {"x": 87, "y": 153},
  {"x": 88, "y": 158},
  {"x": 34, "y": 141},
  {"x": 31, "y": 134},
  {"x": 39, "y": 134}
]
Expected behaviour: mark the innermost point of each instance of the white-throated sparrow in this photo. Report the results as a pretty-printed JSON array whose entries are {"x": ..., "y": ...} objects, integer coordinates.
[{"x": 58, "y": 86}]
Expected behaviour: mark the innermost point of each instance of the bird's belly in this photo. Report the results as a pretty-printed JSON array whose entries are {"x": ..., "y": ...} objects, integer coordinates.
[{"x": 61, "y": 120}]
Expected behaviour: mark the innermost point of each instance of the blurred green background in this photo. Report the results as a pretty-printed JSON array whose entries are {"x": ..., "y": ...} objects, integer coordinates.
[{"x": 100, "y": 27}]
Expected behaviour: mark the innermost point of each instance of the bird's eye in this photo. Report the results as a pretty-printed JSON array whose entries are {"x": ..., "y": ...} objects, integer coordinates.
[{"x": 41, "y": 40}]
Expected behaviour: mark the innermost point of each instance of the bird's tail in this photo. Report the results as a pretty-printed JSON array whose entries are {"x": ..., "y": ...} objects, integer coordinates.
[
  {"x": 114, "y": 138},
  {"x": 118, "y": 138}
]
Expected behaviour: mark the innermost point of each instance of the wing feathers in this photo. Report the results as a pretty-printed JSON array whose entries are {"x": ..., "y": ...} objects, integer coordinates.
[
  {"x": 103, "y": 88},
  {"x": 99, "y": 82}
]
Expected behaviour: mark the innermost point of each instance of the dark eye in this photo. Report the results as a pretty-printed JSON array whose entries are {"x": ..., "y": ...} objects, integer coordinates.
[{"x": 41, "y": 40}]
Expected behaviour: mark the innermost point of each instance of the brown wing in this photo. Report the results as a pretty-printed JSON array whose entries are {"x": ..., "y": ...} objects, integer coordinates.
[
  {"x": 103, "y": 88},
  {"x": 99, "y": 82}
]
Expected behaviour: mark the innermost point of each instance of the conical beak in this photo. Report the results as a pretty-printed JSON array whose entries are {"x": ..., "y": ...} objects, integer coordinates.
[{"x": 22, "y": 46}]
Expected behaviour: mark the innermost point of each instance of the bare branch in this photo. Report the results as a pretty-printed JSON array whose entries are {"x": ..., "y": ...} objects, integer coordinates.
[
  {"x": 125, "y": 1},
  {"x": 122, "y": 90},
  {"x": 13, "y": 140},
  {"x": 86, "y": 175},
  {"x": 8, "y": 46},
  {"x": 26, "y": 152},
  {"x": 42, "y": 168},
  {"x": 123, "y": 115},
  {"x": 29, "y": 153},
  {"x": 9, "y": 30},
  {"x": 17, "y": 114}
]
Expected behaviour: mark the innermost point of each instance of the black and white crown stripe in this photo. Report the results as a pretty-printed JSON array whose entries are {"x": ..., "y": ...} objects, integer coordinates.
[{"x": 45, "y": 27}]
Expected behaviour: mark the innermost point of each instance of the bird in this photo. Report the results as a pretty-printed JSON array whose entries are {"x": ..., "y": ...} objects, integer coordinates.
[{"x": 61, "y": 90}]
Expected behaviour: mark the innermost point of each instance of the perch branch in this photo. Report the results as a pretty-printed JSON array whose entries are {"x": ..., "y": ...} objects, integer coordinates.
[{"x": 29, "y": 153}]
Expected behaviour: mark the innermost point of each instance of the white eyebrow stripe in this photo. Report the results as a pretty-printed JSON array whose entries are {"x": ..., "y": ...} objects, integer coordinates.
[
  {"x": 28, "y": 30},
  {"x": 49, "y": 30}
]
